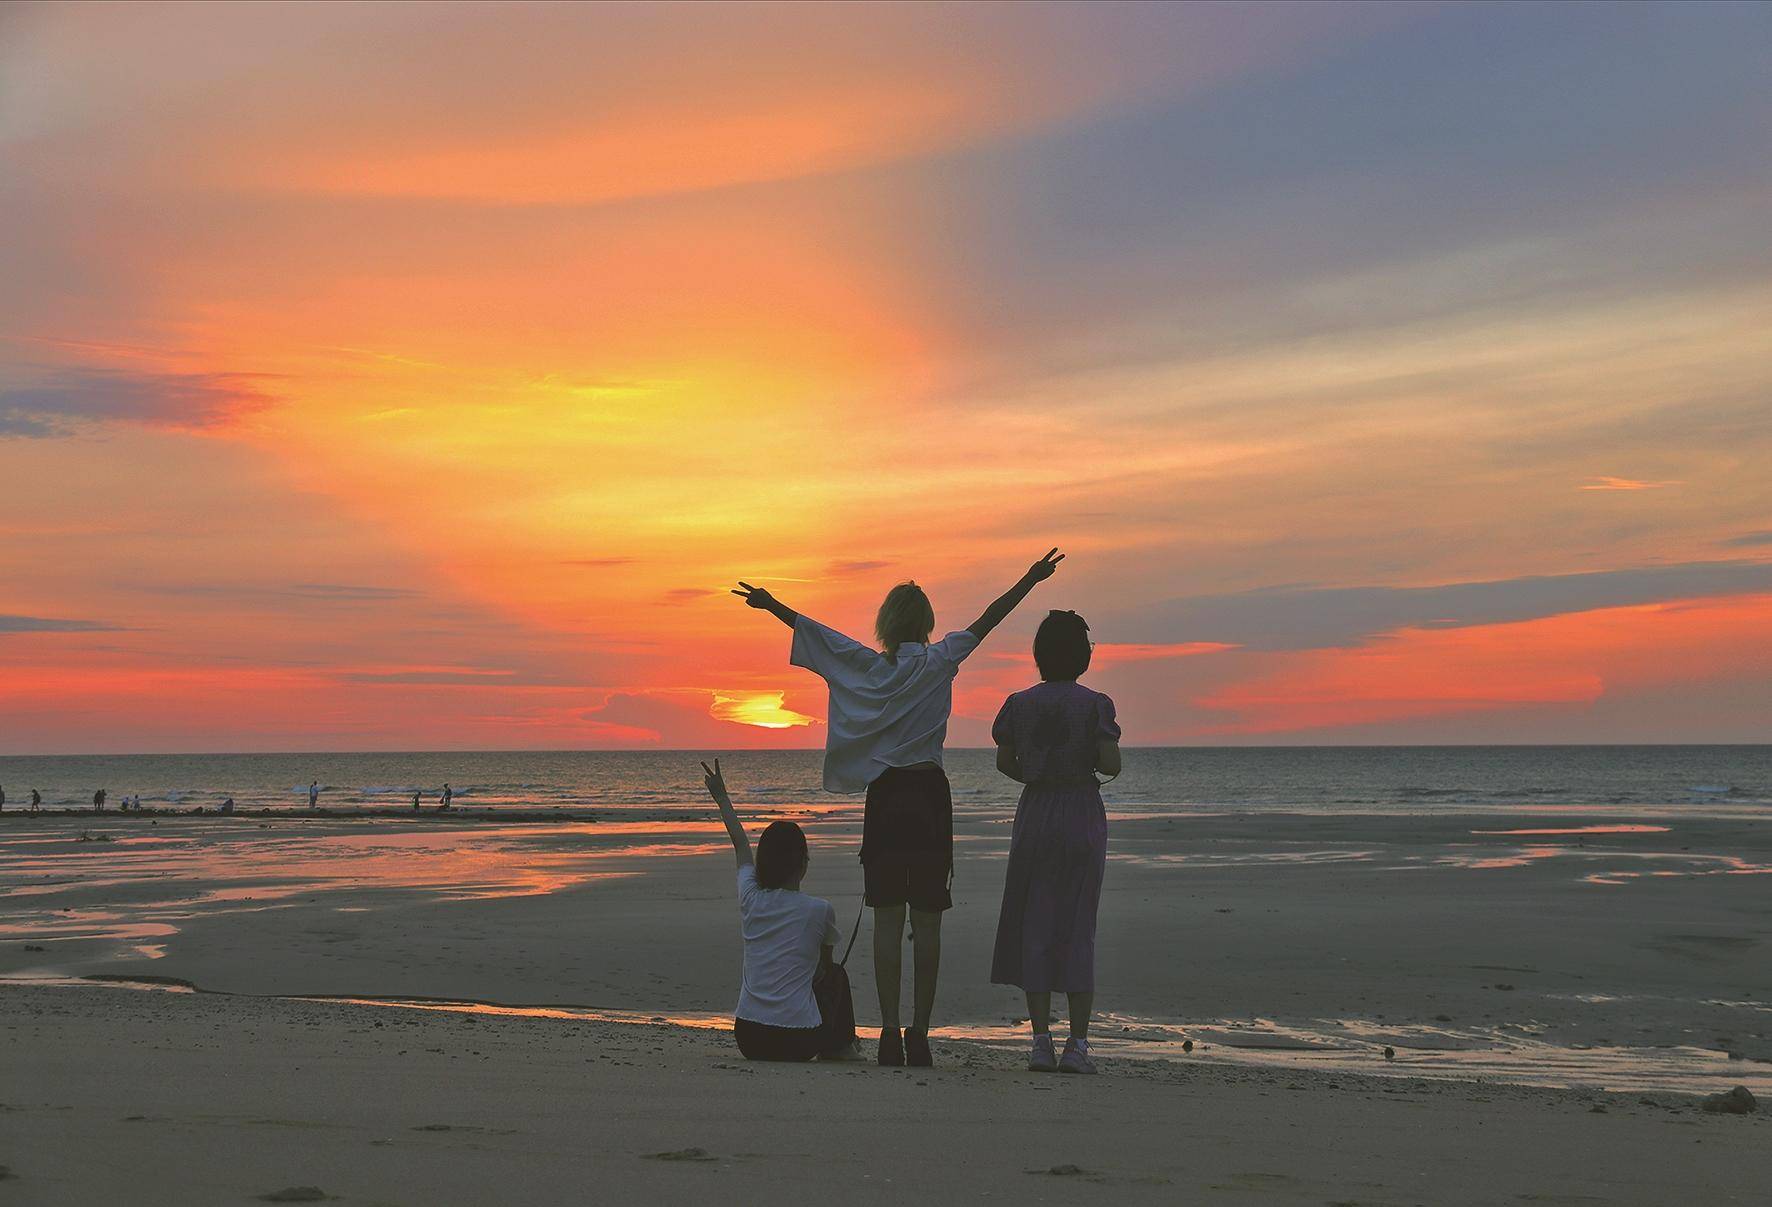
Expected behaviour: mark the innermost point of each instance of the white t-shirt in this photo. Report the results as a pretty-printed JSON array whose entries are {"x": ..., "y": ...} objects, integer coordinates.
[
  {"x": 883, "y": 713},
  {"x": 783, "y": 932}
]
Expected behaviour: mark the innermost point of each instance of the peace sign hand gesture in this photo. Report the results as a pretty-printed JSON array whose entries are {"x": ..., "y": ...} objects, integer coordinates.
[
  {"x": 756, "y": 597},
  {"x": 715, "y": 782},
  {"x": 1042, "y": 570}
]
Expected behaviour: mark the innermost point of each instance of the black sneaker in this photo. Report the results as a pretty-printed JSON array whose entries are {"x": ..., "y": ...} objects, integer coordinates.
[
  {"x": 891, "y": 1049},
  {"x": 916, "y": 1047}
]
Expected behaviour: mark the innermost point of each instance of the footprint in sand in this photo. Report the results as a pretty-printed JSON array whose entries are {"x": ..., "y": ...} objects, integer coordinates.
[
  {"x": 681, "y": 1154},
  {"x": 296, "y": 1194}
]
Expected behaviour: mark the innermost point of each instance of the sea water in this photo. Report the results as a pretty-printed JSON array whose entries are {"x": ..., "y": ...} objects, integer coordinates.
[{"x": 1379, "y": 779}]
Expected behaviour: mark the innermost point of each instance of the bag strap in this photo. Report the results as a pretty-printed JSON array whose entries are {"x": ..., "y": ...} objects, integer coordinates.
[{"x": 856, "y": 930}]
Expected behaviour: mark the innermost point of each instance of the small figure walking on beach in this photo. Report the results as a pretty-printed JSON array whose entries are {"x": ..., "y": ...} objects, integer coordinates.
[
  {"x": 1054, "y": 738},
  {"x": 36, "y": 799},
  {"x": 314, "y": 794},
  {"x": 794, "y": 1002},
  {"x": 98, "y": 801},
  {"x": 416, "y": 797},
  {"x": 887, "y": 720},
  {"x": 448, "y": 799},
  {"x": 2, "y": 798}
]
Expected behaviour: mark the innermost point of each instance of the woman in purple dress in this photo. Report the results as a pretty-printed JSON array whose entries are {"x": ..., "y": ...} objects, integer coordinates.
[{"x": 1054, "y": 738}]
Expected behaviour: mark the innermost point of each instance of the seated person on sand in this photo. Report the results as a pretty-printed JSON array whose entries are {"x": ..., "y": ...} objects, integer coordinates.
[{"x": 794, "y": 1003}]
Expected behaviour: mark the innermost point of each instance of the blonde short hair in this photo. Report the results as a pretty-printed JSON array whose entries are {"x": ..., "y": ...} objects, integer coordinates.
[{"x": 905, "y": 616}]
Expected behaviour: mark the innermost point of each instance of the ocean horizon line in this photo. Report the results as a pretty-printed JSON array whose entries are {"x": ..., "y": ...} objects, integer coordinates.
[{"x": 725, "y": 750}]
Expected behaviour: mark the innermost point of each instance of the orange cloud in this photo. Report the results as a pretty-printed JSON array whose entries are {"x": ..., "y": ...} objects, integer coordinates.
[
  {"x": 1572, "y": 659},
  {"x": 1114, "y": 653}
]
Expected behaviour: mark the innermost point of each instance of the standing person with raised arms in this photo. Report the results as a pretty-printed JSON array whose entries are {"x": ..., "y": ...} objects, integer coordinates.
[{"x": 886, "y": 723}]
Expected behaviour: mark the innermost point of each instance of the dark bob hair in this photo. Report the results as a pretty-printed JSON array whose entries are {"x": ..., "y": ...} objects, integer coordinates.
[
  {"x": 781, "y": 854},
  {"x": 1062, "y": 646}
]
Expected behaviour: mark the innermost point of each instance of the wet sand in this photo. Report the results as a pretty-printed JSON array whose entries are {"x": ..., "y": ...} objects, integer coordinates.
[
  {"x": 1629, "y": 955},
  {"x": 1433, "y": 934}
]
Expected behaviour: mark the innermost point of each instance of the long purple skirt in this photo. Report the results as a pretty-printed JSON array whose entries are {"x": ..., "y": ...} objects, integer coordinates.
[{"x": 1057, "y": 857}]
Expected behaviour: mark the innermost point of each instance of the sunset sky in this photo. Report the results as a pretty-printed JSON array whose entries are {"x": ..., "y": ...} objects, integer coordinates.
[{"x": 409, "y": 377}]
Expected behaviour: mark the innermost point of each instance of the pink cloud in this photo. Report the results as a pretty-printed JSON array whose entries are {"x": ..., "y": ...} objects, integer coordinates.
[{"x": 1610, "y": 483}]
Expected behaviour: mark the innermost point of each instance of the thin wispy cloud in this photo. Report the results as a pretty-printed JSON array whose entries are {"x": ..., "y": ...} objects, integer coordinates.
[
  {"x": 842, "y": 568},
  {"x": 46, "y": 624},
  {"x": 1609, "y": 483}
]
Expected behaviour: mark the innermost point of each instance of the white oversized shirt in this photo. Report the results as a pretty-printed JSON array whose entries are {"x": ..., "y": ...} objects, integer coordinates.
[
  {"x": 783, "y": 931},
  {"x": 883, "y": 713}
]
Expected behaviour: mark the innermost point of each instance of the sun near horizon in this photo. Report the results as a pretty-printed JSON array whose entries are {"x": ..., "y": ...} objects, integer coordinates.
[{"x": 381, "y": 376}]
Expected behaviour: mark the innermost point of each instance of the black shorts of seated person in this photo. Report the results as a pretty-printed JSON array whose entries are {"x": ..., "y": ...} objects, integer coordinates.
[
  {"x": 836, "y": 1030},
  {"x": 907, "y": 839}
]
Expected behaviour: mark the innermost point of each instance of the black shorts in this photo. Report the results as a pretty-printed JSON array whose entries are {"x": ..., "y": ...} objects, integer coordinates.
[
  {"x": 907, "y": 839},
  {"x": 908, "y": 878}
]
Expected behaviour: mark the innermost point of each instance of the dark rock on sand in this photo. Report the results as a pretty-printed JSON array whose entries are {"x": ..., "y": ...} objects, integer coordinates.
[
  {"x": 295, "y": 1194},
  {"x": 1390, "y": 1053},
  {"x": 682, "y": 1154},
  {"x": 1737, "y": 1101},
  {"x": 35, "y": 947},
  {"x": 1061, "y": 1171}
]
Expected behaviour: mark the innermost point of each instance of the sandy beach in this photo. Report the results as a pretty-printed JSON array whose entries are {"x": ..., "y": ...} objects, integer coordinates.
[
  {"x": 576, "y": 978},
  {"x": 150, "y": 1097}
]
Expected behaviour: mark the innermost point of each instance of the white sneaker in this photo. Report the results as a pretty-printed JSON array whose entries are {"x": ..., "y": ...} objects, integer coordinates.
[
  {"x": 1043, "y": 1059},
  {"x": 1076, "y": 1057}
]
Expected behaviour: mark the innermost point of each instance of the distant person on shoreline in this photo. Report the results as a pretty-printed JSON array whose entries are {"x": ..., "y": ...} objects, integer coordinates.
[
  {"x": 1053, "y": 738},
  {"x": 98, "y": 801},
  {"x": 36, "y": 800},
  {"x": 448, "y": 798},
  {"x": 416, "y": 796},
  {"x": 227, "y": 806},
  {"x": 2, "y": 798},
  {"x": 794, "y": 1002},
  {"x": 314, "y": 795},
  {"x": 887, "y": 720}
]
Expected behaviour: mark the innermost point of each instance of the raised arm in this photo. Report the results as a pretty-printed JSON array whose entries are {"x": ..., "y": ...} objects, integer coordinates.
[
  {"x": 757, "y": 597},
  {"x": 1006, "y": 603},
  {"x": 741, "y": 842}
]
